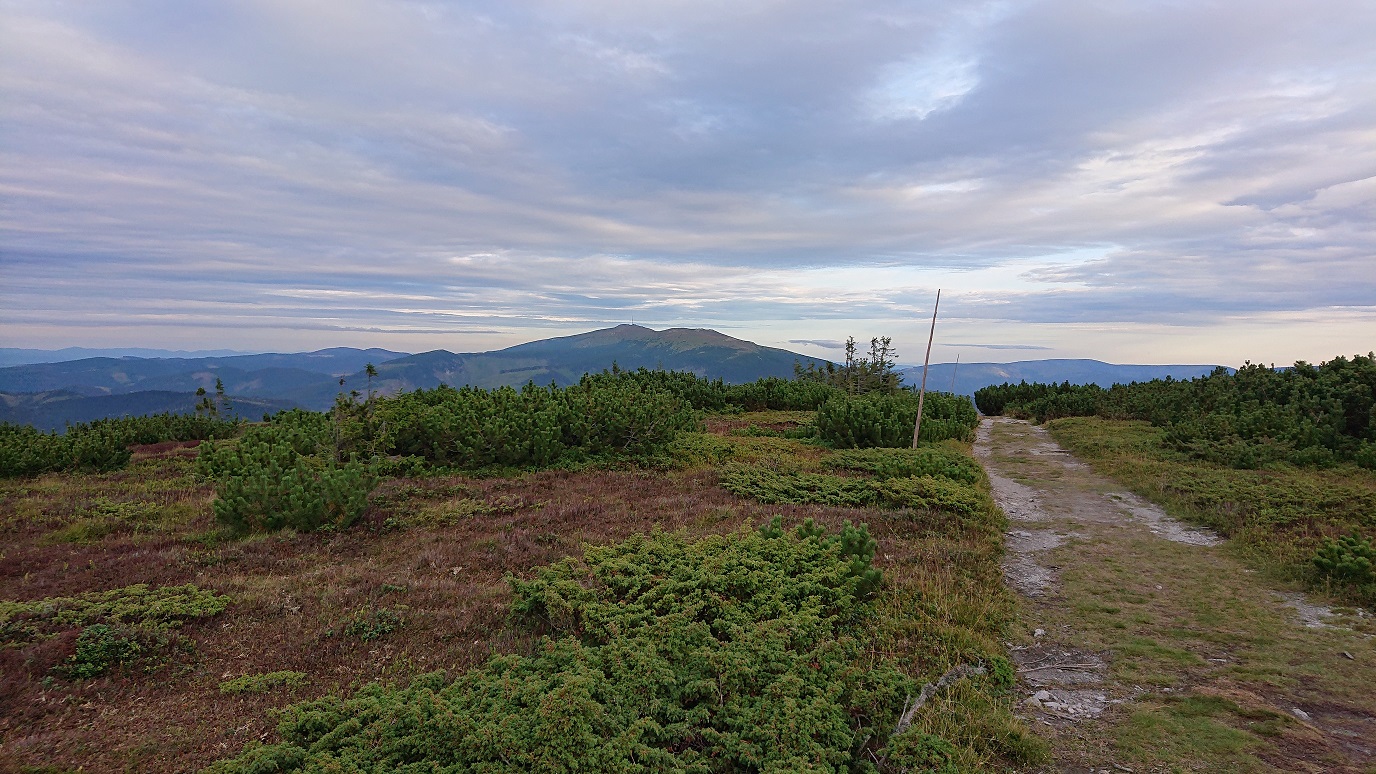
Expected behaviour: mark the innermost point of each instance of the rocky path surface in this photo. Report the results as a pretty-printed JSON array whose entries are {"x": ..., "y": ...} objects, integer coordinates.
[{"x": 1151, "y": 647}]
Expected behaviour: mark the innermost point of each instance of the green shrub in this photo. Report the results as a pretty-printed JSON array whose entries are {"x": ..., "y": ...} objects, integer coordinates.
[
  {"x": 25, "y": 451},
  {"x": 931, "y": 493},
  {"x": 930, "y": 478},
  {"x": 100, "y": 648},
  {"x": 374, "y": 624},
  {"x": 281, "y": 476},
  {"x": 263, "y": 682},
  {"x": 877, "y": 420},
  {"x": 918, "y": 752},
  {"x": 1313, "y": 416},
  {"x": 135, "y": 607},
  {"x": 98, "y": 446},
  {"x": 933, "y": 460},
  {"x": 534, "y": 426},
  {"x": 731, "y": 653},
  {"x": 1349, "y": 559},
  {"x": 1365, "y": 455},
  {"x": 768, "y": 485}
]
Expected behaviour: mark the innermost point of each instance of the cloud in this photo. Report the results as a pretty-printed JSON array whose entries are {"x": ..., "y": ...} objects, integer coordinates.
[
  {"x": 822, "y": 343},
  {"x": 423, "y": 167},
  {"x": 965, "y": 345}
]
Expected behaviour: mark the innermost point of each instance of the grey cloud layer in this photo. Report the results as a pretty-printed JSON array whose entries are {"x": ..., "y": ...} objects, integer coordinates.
[{"x": 364, "y": 164}]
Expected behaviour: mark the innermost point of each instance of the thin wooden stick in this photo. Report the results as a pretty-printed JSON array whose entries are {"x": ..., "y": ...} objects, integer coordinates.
[
  {"x": 953, "y": 674},
  {"x": 922, "y": 392}
]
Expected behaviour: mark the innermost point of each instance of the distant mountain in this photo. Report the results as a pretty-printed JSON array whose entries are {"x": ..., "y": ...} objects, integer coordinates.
[
  {"x": 972, "y": 376},
  {"x": 11, "y": 356},
  {"x": 56, "y": 409},
  {"x": 48, "y": 393},
  {"x": 268, "y": 375},
  {"x": 311, "y": 379},
  {"x": 565, "y": 359}
]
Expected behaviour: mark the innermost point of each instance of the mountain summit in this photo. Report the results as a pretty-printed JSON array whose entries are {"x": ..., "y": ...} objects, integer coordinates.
[{"x": 564, "y": 359}]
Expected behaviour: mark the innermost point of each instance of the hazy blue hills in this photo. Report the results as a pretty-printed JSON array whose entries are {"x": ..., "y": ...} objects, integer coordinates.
[
  {"x": 11, "y": 356},
  {"x": 52, "y": 392},
  {"x": 972, "y": 376},
  {"x": 267, "y": 375},
  {"x": 56, "y": 409}
]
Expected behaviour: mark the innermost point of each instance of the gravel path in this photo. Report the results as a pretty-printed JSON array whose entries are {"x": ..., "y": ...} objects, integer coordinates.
[{"x": 1132, "y": 615}]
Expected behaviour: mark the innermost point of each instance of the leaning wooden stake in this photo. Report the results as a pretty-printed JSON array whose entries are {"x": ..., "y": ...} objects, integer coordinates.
[{"x": 922, "y": 392}]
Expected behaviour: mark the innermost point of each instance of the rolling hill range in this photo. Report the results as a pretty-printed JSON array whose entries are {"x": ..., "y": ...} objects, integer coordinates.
[
  {"x": 56, "y": 409},
  {"x": 269, "y": 375},
  {"x": 565, "y": 359},
  {"x": 972, "y": 376},
  {"x": 311, "y": 379},
  {"x": 52, "y": 394},
  {"x": 12, "y": 356}
]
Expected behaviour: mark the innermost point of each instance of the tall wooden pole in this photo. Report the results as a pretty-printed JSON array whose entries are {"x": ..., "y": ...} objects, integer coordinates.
[
  {"x": 922, "y": 392},
  {"x": 954, "y": 371}
]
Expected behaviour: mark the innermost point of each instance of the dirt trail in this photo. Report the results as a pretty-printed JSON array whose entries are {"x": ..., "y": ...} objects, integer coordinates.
[{"x": 1151, "y": 647}]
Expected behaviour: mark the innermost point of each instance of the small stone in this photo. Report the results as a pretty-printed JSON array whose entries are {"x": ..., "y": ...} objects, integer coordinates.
[
  {"x": 1301, "y": 714},
  {"x": 1043, "y": 696},
  {"x": 1031, "y": 701},
  {"x": 1349, "y": 656},
  {"x": 1042, "y": 633}
]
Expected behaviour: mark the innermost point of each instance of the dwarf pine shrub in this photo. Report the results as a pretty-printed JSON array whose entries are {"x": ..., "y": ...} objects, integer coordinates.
[
  {"x": 100, "y": 648},
  {"x": 533, "y": 426},
  {"x": 742, "y": 652},
  {"x": 138, "y": 607},
  {"x": 263, "y": 682},
  {"x": 286, "y": 475},
  {"x": 927, "y": 460},
  {"x": 878, "y": 420},
  {"x": 1349, "y": 559}
]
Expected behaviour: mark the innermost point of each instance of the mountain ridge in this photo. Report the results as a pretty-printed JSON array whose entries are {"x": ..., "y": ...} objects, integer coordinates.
[{"x": 83, "y": 388}]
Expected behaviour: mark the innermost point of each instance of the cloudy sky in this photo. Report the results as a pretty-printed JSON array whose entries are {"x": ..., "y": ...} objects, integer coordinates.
[{"x": 1131, "y": 181}]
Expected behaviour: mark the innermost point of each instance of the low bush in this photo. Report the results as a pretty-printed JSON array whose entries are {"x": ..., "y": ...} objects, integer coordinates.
[
  {"x": 1305, "y": 415},
  {"x": 878, "y": 420},
  {"x": 100, "y": 648},
  {"x": 732, "y": 653},
  {"x": 773, "y": 486},
  {"x": 931, "y": 460},
  {"x": 471, "y": 428},
  {"x": 25, "y": 451},
  {"x": 931, "y": 493},
  {"x": 769, "y": 485},
  {"x": 112, "y": 629},
  {"x": 138, "y": 607},
  {"x": 263, "y": 682},
  {"x": 284, "y": 476},
  {"x": 369, "y": 625},
  {"x": 98, "y": 446},
  {"x": 1349, "y": 559}
]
